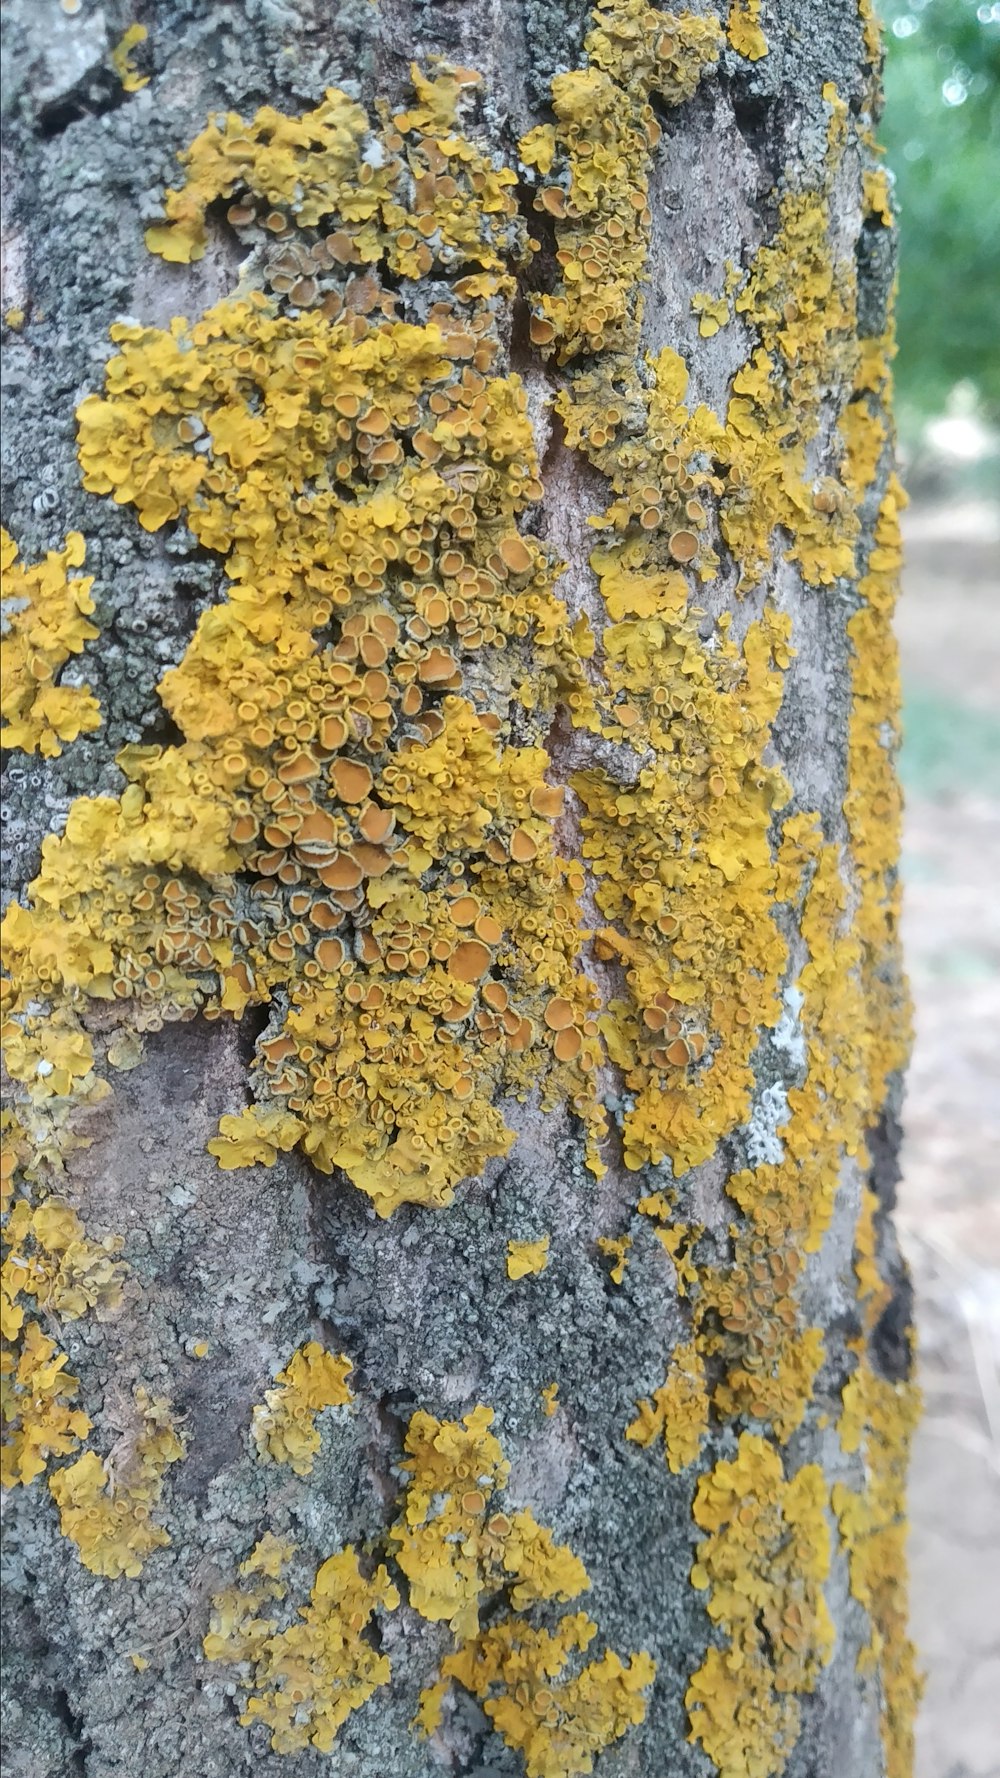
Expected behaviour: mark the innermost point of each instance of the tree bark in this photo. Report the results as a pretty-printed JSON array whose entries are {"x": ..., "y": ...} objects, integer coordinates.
[{"x": 721, "y": 1305}]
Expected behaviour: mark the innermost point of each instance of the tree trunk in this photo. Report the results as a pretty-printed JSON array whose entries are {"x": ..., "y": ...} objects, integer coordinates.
[{"x": 464, "y": 736}]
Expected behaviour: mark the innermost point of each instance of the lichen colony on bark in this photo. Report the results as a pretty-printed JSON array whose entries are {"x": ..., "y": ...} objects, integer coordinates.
[{"x": 451, "y": 1317}]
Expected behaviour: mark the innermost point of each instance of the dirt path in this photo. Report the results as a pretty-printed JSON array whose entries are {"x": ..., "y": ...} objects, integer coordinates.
[{"x": 949, "y": 628}]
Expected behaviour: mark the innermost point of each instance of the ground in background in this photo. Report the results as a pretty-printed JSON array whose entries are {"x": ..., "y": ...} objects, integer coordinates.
[{"x": 949, "y": 1207}]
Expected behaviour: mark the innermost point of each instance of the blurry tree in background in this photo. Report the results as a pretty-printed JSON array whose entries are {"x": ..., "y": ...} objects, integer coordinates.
[{"x": 941, "y": 130}]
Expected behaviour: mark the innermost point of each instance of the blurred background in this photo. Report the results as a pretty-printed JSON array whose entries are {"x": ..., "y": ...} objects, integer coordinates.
[{"x": 941, "y": 129}]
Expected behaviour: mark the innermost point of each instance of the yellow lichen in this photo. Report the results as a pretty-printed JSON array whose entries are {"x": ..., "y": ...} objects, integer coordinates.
[
  {"x": 682, "y": 853},
  {"x": 48, "y": 1257},
  {"x": 550, "y": 1399},
  {"x": 527, "y": 1258},
  {"x": 874, "y": 1294},
  {"x": 558, "y": 1722},
  {"x": 744, "y": 32},
  {"x": 363, "y": 477},
  {"x": 595, "y": 163},
  {"x": 878, "y": 1420},
  {"x": 260, "y": 1134},
  {"x": 691, "y": 899},
  {"x": 53, "y": 1088},
  {"x": 38, "y": 1419},
  {"x": 872, "y": 32},
  {"x": 12, "y": 1148},
  {"x": 457, "y": 1548},
  {"x": 262, "y": 450},
  {"x": 45, "y": 622},
  {"x": 800, "y": 299},
  {"x": 121, "y": 59},
  {"x": 678, "y": 1411},
  {"x": 713, "y": 313},
  {"x": 865, "y": 433},
  {"x": 50, "y": 1059},
  {"x": 616, "y": 1248},
  {"x": 49, "y": 1266},
  {"x": 357, "y": 823},
  {"x": 762, "y": 1566},
  {"x": 416, "y": 193},
  {"x": 106, "y": 1506},
  {"x": 747, "y": 1311},
  {"x": 125, "y": 1051},
  {"x": 684, "y": 868},
  {"x": 679, "y": 1239},
  {"x": 873, "y": 804},
  {"x": 302, "y": 1682},
  {"x": 430, "y": 1708},
  {"x": 284, "y": 1428}
]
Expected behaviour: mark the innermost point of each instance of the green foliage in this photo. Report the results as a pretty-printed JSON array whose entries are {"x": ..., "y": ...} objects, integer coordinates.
[
  {"x": 950, "y": 749},
  {"x": 941, "y": 129}
]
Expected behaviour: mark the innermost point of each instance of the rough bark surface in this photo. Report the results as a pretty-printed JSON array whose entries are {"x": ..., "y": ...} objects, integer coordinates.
[{"x": 256, "y": 1261}]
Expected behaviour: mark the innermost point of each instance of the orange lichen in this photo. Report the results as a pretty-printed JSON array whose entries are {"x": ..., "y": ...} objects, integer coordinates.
[
  {"x": 45, "y": 622},
  {"x": 106, "y": 1505},
  {"x": 284, "y": 1428},
  {"x": 302, "y": 1682}
]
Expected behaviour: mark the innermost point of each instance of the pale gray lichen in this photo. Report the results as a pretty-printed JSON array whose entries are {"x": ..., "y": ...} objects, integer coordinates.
[
  {"x": 788, "y": 1035},
  {"x": 763, "y": 1144}
]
